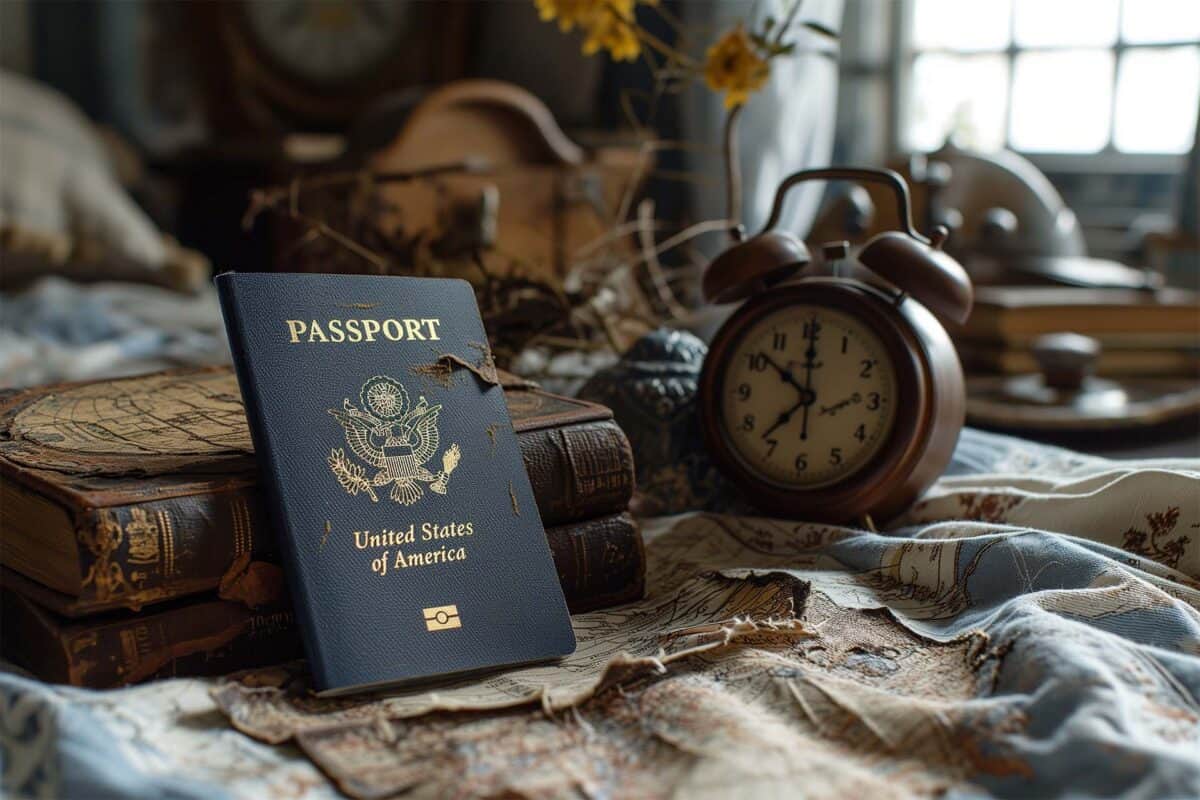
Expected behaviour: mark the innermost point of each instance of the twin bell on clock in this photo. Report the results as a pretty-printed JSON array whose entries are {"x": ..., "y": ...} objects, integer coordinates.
[{"x": 832, "y": 397}]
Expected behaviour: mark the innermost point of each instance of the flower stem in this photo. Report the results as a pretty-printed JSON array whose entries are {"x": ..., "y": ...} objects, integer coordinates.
[
  {"x": 653, "y": 42},
  {"x": 787, "y": 22},
  {"x": 733, "y": 171}
]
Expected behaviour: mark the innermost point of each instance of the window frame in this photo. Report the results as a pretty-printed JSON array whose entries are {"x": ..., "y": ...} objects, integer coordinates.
[{"x": 1107, "y": 160}]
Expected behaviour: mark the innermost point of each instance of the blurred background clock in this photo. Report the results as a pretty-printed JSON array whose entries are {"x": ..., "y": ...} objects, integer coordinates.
[
  {"x": 285, "y": 65},
  {"x": 327, "y": 42}
]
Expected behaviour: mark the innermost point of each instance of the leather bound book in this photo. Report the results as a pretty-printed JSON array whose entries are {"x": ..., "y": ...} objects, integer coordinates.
[
  {"x": 203, "y": 636},
  {"x": 1119, "y": 318},
  {"x": 129, "y": 492},
  {"x": 580, "y": 471},
  {"x": 1111, "y": 362},
  {"x": 600, "y": 562},
  {"x": 392, "y": 475}
]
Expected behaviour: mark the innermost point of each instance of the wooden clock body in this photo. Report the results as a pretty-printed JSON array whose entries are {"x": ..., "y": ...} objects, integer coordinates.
[{"x": 929, "y": 409}]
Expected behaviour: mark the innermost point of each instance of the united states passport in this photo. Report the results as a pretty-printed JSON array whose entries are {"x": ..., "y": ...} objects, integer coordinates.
[{"x": 410, "y": 537}]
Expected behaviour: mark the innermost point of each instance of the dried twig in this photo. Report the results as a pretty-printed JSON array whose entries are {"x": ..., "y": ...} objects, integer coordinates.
[
  {"x": 653, "y": 268},
  {"x": 272, "y": 197}
]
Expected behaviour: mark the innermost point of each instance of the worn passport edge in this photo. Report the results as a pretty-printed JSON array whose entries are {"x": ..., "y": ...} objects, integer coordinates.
[{"x": 231, "y": 314}]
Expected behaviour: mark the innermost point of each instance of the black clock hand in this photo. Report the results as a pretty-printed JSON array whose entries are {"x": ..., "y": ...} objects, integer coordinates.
[
  {"x": 811, "y": 353},
  {"x": 785, "y": 375},
  {"x": 833, "y": 408},
  {"x": 786, "y": 416}
]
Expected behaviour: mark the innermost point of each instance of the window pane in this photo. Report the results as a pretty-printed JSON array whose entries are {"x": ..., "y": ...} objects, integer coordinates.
[
  {"x": 1061, "y": 101},
  {"x": 1158, "y": 93},
  {"x": 963, "y": 96},
  {"x": 1160, "y": 21},
  {"x": 958, "y": 25},
  {"x": 1058, "y": 23}
]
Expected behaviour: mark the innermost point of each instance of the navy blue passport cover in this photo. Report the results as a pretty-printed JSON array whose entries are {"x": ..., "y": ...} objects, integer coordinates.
[{"x": 410, "y": 536}]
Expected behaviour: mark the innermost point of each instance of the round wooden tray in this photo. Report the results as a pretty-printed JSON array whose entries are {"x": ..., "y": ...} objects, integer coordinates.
[{"x": 1026, "y": 403}]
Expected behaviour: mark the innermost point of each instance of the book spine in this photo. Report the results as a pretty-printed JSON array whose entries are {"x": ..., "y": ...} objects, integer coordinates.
[
  {"x": 205, "y": 638},
  {"x": 579, "y": 471},
  {"x": 134, "y": 555},
  {"x": 600, "y": 562}
]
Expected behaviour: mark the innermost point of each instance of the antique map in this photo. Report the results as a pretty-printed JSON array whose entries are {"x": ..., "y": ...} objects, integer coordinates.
[
  {"x": 182, "y": 419},
  {"x": 149, "y": 422},
  {"x": 1032, "y": 625}
]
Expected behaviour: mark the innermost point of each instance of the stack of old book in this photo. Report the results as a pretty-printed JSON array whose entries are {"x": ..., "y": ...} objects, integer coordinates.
[
  {"x": 1141, "y": 333},
  {"x": 135, "y": 545}
]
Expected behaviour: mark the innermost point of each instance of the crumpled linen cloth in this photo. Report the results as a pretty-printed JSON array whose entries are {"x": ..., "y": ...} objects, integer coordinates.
[
  {"x": 1031, "y": 628},
  {"x": 57, "y": 330},
  {"x": 57, "y": 178}
]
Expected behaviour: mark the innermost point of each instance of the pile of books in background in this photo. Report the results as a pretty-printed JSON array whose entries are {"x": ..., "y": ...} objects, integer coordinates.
[
  {"x": 1140, "y": 333},
  {"x": 135, "y": 544}
]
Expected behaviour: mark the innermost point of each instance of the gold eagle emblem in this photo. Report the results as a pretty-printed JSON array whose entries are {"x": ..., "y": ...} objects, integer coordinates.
[{"x": 395, "y": 437}]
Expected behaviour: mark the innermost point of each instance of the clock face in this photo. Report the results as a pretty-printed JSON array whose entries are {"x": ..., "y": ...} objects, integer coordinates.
[
  {"x": 808, "y": 396},
  {"x": 327, "y": 41}
]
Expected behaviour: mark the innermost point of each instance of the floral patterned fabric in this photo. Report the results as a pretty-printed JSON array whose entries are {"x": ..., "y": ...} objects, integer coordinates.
[{"x": 1031, "y": 628}]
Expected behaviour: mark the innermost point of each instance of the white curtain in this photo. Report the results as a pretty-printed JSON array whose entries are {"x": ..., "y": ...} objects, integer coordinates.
[{"x": 786, "y": 126}]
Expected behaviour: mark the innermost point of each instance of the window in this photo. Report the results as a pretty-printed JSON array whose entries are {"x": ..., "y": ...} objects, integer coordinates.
[{"x": 1120, "y": 77}]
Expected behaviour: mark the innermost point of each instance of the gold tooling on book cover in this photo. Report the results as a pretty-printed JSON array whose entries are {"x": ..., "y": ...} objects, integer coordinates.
[{"x": 395, "y": 436}]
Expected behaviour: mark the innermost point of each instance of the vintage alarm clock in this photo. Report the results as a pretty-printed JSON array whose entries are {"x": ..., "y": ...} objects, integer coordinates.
[{"x": 835, "y": 398}]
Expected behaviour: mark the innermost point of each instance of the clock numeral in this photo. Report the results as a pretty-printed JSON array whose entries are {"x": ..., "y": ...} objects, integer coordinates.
[
  {"x": 758, "y": 361},
  {"x": 867, "y": 365},
  {"x": 835, "y": 456},
  {"x": 802, "y": 462},
  {"x": 845, "y": 342},
  {"x": 743, "y": 391},
  {"x": 772, "y": 444},
  {"x": 812, "y": 329},
  {"x": 748, "y": 422},
  {"x": 860, "y": 433},
  {"x": 872, "y": 401},
  {"x": 780, "y": 341}
]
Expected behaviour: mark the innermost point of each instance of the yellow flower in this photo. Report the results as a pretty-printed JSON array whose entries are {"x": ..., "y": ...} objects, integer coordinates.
[
  {"x": 607, "y": 24},
  {"x": 569, "y": 13},
  {"x": 612, "y": 30},
  {"x": 735, "y": 68}
]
